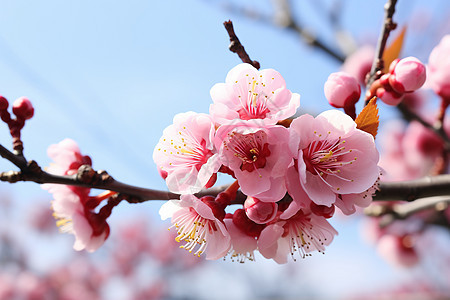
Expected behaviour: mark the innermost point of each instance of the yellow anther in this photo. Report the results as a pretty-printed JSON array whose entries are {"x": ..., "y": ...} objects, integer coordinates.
[{"x": 326, "y": 156}]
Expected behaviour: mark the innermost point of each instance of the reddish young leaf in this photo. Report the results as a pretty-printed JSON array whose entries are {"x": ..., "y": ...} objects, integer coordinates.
[
  {"x": 367, "y": 120},
  {"x": 393, "y": 51}
]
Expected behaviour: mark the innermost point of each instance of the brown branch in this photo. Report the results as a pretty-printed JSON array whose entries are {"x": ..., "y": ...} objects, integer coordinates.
[
  {"x": 414, "y": 189},
  {"x": 18, "y": 160},
  {"x": 237, "y": 47},
  {"x": 378, "y": 63}
]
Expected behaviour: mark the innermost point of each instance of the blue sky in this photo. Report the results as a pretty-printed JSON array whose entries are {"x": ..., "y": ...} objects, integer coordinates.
[{"x": 111, "y": 75}]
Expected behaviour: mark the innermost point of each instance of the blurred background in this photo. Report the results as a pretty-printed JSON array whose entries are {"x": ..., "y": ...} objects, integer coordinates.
[{"x": 111, "y": 75}]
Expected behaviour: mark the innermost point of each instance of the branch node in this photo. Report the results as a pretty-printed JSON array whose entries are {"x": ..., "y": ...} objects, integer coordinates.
[{"x": 11, "y": 176}]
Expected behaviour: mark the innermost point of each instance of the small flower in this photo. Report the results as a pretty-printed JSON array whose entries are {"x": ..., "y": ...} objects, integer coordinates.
[
  {"x": 184, "y": 154},
  {"x": 257, "y": 156},
  {"x": 70, "y": 202},
  {"x": 198, "y": 226},
  {"x": 243, "y": 246},
  {"x": 251, "y": 94},
  {"x": 303, "y": 232},
  {"x": 333, "y": 156}
]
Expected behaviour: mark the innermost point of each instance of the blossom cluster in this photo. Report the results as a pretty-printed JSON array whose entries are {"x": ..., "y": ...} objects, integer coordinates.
[{"x": 292, "y": 172}]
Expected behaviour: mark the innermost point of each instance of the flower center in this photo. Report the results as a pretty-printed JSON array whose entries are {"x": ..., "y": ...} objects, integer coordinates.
[
  {"x": 255, "y": 104},
  {"x": 304, "y": 236},
  {"x": 186, "y": 149},
  {"x": 328, "y": 157},
  {"x": 251, "y": 149},
  {"x": 194, "y": 230}
]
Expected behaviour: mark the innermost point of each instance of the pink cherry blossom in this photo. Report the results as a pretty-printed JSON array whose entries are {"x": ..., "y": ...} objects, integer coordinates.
[
  {"x": 69, "y": 201},
  {"x": 257, "y": 156},
  {"x": 439, "y": 68},
  {"x": 243, "y": 246},
  {"x": 251, "y": 94},
  {"x": 185, "y": 153},
  {"x": 303, "y": 232},
  {"x": 67, "y": 158},
  {"x": 347, "y": 203},
  {"x": 333, "y": 156},
  {"x": 197, "y": 225}
]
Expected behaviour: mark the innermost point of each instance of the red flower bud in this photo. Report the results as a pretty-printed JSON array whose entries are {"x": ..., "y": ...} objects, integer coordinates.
[{"x": 23, "y": 108}]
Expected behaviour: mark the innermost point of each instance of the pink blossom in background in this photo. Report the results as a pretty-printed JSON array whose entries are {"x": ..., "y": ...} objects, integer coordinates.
[
  {"x": 398, "y": 250},
  {"x": 333, "y": 156},
  {"x": 439, "y": 68},
  {"x": 409, "y": 152},
  {"x": 257, "y": 156},
  {"x": 185, "y": 153},
  {"x": 358, "y": 64},
  {"x": 396, "y": 242},
  {"x": 251, "y": 94},
  {"x": 197, "y": 224},
  {"x": 303, "y": 232}
]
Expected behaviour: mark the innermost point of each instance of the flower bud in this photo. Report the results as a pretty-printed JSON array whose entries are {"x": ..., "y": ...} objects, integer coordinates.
[
  {"x": 23, "y": 108},
  {"x": 246, "y": 225},
  {"x": 260, "y": 212},
  {"x": 3, "y": 103},
  {"x": 389, "y": 97},
  {"x": 322, "y": 210},
  {"x": 342, "y": 89},
  {"x": 407, "y": 75}
]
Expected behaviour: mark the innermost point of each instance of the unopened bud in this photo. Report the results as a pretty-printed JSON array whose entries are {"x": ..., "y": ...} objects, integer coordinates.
[
  {"x": 322, "y": 210},
  {"x": 246, "y": 225},
  {"x": 3, "y": 103},
  {"x": 389, "y": 97},
  {"x": 23, "y": 108},
  {"x": 407, "y": 75},
  {"x": 342, "y": 89},
  {"x": 260, "y": 212}
]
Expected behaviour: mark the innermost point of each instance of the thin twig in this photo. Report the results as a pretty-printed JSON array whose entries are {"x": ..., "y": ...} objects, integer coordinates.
[
  {"x": 390, "y": 213},
  {"x": 378, "y": 63},
  {"x": 306, "y": 35},
  {"x": 237, "y": 47}
]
